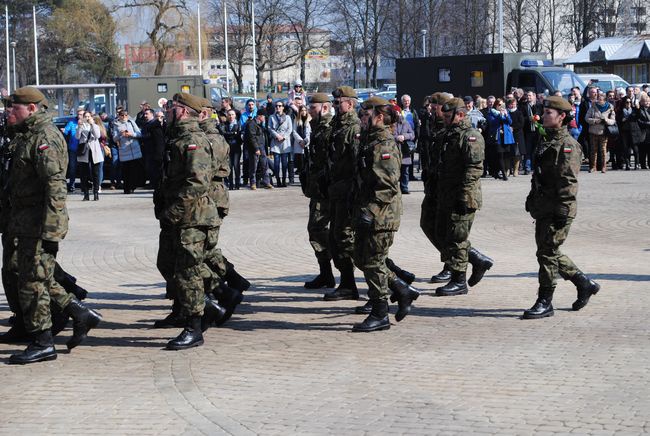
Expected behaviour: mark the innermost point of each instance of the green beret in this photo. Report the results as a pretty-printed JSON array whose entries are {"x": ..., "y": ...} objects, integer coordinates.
[
  {"x": 453, "y": 103},
  {"x": 559, "y": 103},
  {"x": 206, "y": 103},
  {"x": 27, "y": 95},
  {"x": 344, "y": 91},
  {"x": 373, "y": 102},
  {"x": 320, "y": 97},
  {"x": 189, "y": 100}
]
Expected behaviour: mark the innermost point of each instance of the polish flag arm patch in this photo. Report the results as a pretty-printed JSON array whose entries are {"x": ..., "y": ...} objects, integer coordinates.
[
  {"x": 567, "y": 149},
  {"x": 385, "y": 156},
  {"x": 471, "y": 138},
  {"x": 191, "y": 147},
  {"x": 43, "y": 147}
]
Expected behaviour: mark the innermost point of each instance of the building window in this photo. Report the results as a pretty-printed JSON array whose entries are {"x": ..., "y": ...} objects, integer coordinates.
[
  {"x": 476, "y": 79},
  {"x": 444, "y": 75},
  {"x": 162, "y": 88}
]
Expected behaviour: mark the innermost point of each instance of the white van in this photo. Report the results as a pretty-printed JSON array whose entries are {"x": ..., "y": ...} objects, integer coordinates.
[{"x": 606, "y": 82}]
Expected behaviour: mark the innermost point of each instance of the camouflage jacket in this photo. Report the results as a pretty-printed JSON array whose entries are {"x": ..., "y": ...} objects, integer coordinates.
[
  {"x": 220, "y": 165},
  {"x": 554, "y": 185},
  {"x": 432, "y": 152},
  {"x": 344, "y": 147},
  {"x": 316, "y": 165},
  {"x": 6, "y": 157},
  {"x": 378, "y": 194},
  {"x": 187, "y": 181},
  {"x": 460, "y": 166},
  {"x": 37, "y": 184}
]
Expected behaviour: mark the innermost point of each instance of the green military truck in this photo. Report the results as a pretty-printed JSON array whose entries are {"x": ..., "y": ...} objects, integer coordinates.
[
  {"x": 487, "y": 74},
  {"x": 131, "y": 91}
]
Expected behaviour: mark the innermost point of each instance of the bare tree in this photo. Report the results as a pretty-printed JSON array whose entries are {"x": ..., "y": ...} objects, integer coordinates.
[
  {"x": 168, "y": 18},
  {"x": 515, "y": 14}
]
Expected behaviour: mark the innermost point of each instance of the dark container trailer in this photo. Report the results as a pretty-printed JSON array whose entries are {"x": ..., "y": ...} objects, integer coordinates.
[{"x": 488, "y": 74}]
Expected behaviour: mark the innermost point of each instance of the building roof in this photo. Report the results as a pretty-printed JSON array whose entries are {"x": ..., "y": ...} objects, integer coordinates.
[{"x": 615, "y": 48}]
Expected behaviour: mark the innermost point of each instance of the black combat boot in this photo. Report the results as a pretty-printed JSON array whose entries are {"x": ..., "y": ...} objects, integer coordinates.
[
  {"x": 40, "y": 349},
  {"x": 86, "y": 196},
  {"x": 229, "y": 299},
  {"x": 377, "y": 320},
  {"x": 17, "y": 333},
  {"x": 212, "y": 314},
  {"x": 95, "y": 196},
  {"x": 325, "y": 279},
  {"x": 480, "y": 264},
  {"x": 191, "y": 336},
  {"x": 234, "y": 279},
  {"x": 456, "y": 286},
  {"x": 442, "y": 277},
  {"x": 69, "y": 283},
  {"x": 59, "y": 319},
  {"x": 174, "y": 319},
  {"x": 347, "y": 290},
  {"x": 586, "y": 288},
  {"x": 83, "y": 319},
  {"x": 365, "y": 309},
  {"x": 542, "y": 307},
  {"x": 408, "y": 277},
  {"x": 404, "y": 294}
]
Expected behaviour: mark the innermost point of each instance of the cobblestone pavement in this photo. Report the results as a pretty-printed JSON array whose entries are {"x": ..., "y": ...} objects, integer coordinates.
[{"x": 287, "y": 363}]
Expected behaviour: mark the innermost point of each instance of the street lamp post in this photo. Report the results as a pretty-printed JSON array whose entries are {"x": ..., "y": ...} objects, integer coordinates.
[
  {"x": 424, "y": 46},
  {"x": 13, "y": 53}
]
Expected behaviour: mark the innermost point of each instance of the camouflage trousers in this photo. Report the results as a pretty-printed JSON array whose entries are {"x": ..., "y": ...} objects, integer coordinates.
[
  {"x": 551, "y": 261},
  {"x": 428, "y": 220},
  {"x": 452, "y": 230},
  {"x": 318, "y": 228},
  {"x": 370, "y": 253},
  {"x": 341, "y": 235},
  {"x": 216, "y": 262},
  {"x": 36, "y": 285},
  {"x": 181, "y": 261}
]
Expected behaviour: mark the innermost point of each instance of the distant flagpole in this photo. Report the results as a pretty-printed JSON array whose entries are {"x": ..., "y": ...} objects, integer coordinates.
[
  {"x": 254, "y": 55},
  {"x": 225, "y": 38},
  {"x": 7, "y": 48},
  {"x": 35, "y": 46},
  {"x": 198, "y": 13}
]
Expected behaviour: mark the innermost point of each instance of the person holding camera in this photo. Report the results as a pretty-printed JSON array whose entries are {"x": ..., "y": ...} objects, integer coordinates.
[{"x": 90, "y": 155}]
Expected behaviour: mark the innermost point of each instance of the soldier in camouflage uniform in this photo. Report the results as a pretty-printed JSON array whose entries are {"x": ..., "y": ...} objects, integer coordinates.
[
  {"x": 315, "y": 182},
  {"x": 552, "y": 202},
  {"x": 344, "y": 147},
  {"x": 230, "y": 294},
  {"x": 460, "y": 165},
  {"x": 377, "y": 212},
  {"x": 189, "y": 212},
  {"x": 38, "y": 219}
]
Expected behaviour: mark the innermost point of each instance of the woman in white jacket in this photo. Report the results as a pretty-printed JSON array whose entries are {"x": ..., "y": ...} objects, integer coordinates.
[
  {"x": 91, "y": 156},
  {"x": 281, "y": 129}
]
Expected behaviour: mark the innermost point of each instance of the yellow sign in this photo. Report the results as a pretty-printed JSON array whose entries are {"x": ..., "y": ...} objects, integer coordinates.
[{"x": 317, "y": 54}]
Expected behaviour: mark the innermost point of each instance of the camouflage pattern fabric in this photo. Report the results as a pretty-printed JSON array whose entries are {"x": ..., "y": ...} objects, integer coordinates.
[
  {"x": 220, "y": 165},
  {"x": 370, "y": 253},
  {"x": 166, "y": 259},
  {"x": 344, "y": 147},
  {"x": 316, "y": 165},
  {"x": 553, "y": 199},
  {"x": 341, "y": 234},
  {"x": 428, "y": 220},
  {"x": 191, "y": 246},
  {"x": 318, "y": 228},
  {"x": 460, "y": 166},
  {"x": 549, "y": 237}
]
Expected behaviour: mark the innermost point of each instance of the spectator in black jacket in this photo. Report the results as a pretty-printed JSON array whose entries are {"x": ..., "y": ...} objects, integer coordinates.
[
  {"x": 517, "y": 126},
  {"x": 231, "y": 130},
  {"x": 255, "y": 140},
  {"x": 588, "y": 98},
  {"x": 153, "y": 141},
  {"x": 532, "y": 111}
]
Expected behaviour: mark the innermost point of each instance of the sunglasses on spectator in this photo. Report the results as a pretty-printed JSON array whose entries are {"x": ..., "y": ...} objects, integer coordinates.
[{"x": 279, "y": 105}]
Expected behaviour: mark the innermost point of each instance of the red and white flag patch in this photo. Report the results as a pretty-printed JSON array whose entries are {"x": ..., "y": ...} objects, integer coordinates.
[
  {"x": 471, "y": 138},
  {"x": 191, "y": 147},
  {"x": 385, "y": 156},
  {"x": 567, "y": 149},
  {"x": 43, "y": 147}
]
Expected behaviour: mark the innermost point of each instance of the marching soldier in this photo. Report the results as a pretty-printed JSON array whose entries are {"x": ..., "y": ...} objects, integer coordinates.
[
  {"x": 344, "y": 147},
  {"x": 377, "y": 213},
  {"x": 315, "y": 186},
  {"x": 188, "y": 213},
  {"x": 552, "y": 202},
  {"x": 38, "y": 219},
  {"x": 460, "y": 165}
]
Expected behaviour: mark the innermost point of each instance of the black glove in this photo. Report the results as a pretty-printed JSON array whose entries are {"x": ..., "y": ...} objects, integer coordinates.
[
  {"x": 364, "y": 222},
  {"x": 50, "y": 247}
]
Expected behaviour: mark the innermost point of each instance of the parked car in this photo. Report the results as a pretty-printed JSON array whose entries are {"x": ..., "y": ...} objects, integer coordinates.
[
  {"x": 61, "y": 122},
  {"x": 386, "y": 94},
  {"x": 606, "y": 82}
]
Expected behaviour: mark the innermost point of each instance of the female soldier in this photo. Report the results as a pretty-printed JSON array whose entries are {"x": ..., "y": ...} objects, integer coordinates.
[
  {"x": 378, "y": 207},
  {"x": 552, "y": 202}
]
